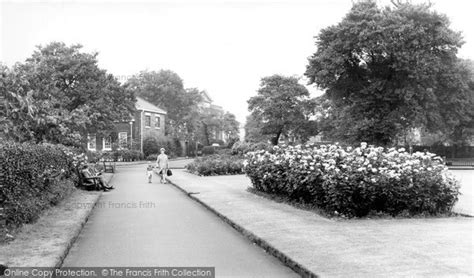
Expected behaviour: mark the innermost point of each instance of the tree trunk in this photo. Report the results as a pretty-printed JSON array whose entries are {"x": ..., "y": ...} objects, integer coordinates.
[{"x": 276, "y": 138}]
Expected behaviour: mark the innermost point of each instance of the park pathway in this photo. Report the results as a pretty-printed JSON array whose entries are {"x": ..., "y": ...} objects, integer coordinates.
[{"x": 142, "y": 224}]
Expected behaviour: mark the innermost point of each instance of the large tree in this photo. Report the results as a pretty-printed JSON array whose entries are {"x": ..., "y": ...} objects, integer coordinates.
[
  {"x": 283, "y": 107},
  {"x": 388, "y": 70},
  {"x": 254, "y": 130},
  {"x": 230, "y": 127},
  {"x": 70, "y": 94},
  {"x": 16, "y": 109}
]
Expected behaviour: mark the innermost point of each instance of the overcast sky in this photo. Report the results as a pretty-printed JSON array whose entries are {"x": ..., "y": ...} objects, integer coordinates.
[{"x": 223, "y": 47}]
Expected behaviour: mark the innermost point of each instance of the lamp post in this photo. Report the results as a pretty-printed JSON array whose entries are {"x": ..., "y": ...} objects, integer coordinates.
[{"x": 131, "y": 132}]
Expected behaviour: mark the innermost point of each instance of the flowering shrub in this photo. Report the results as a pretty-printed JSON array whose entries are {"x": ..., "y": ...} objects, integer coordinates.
[
  {"x": 216, "y": 165},
  {"x": 241, "y": 148},
  {"x": 33, "y": 177},
  {"x": 355, "y": 182}
]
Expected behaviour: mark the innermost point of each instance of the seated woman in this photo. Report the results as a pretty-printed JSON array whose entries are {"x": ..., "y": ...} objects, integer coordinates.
[{"x": 86, "y": 173}]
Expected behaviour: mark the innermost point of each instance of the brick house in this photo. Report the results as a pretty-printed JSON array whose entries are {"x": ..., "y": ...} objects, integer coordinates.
[{"x": 148, "y": 120}]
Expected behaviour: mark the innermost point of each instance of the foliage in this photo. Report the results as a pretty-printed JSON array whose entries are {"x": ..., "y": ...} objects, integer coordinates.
[
  {"x": 16, "y": 111},
  {"x": 152, "y": 157},
  {"x": 121, "y": 155},
  {"x": 241, "y": 148},
  {"x": 177, "y": 147},
  {"x": 208, "y": 150},
  {"x": 152, "y": 145},
  {"x": 185, "y": 120},
  {"x": 216, "y": 165},
  {"x": 60, "y": 94},
  {"x": 388, "y": 70},
  {"x": 34, "y": 177},
  {"x": 211, "y": 121},
  {"x": 355, "y": 182},
  {"x": 254, "y": 129},
  {"x": 282, "y": 107}
]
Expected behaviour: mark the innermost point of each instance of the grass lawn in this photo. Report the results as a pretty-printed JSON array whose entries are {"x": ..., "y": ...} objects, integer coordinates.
[{"x": 46, "y": 242}]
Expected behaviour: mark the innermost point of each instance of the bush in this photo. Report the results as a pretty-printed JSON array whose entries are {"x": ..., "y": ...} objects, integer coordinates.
[
  {"x": 177, "y": 148},
  {"x": 224, "y": 151},
  {"x": 216, "y": 165},
  {"x": 152, "y": 145},
  {"x": 127, "y": 155},
  {"x": 356, "y": 182},
  {"x": 35, "y": 177},
  {"x": 94, "y": 156},
  {"x": 152, "y": 157},
  {"x": 241, "y": 148},
  {"x": 208, "y": 150}
]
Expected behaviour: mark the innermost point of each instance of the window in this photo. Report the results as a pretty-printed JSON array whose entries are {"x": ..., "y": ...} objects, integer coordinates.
[
  {"x": 122, "y": 138},
  {"x": 91, "y": 142},
  {"x": 107, "y": 143},
  {"x": 157, "y": 122},
  {"x": 147, "y": 121}
]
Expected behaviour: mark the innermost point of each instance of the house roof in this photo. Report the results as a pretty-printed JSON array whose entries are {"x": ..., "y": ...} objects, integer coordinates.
[{"x": 142, "y": 104}]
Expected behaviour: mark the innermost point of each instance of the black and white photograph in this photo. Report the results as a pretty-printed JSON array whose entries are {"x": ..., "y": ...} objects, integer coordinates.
[{"x": 236, "y": 138}]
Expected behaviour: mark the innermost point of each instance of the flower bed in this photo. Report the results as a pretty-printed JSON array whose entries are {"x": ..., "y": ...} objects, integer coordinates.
[
  {"x": 355, "y": 182},
  {"x": 216, "y": 165}
]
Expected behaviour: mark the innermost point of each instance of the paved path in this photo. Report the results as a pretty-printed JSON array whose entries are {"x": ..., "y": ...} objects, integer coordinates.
[
  {"x": 163, "y": 227},
  {"x": 426, "y": 247},
  {"x": 464, "y": 204}
]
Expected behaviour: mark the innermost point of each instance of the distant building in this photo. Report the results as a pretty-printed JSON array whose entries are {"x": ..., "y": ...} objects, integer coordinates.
[
  {"x": 148, "y": 120},
  {"x": 206, "y": 104}
]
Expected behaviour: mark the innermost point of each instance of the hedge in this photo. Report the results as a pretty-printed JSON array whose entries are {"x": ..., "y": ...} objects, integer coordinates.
[
  {"x": 214, "y": 165},
  {"x": 34, "y": 177},
  {"x": 355, "y": 182},
  {"x": 152, "y": 145}
]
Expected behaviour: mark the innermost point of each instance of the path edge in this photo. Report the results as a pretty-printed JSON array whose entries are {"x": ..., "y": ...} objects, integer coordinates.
[
  {"x": 270, "y": 249},
  {"x": 79, "y": 229}
]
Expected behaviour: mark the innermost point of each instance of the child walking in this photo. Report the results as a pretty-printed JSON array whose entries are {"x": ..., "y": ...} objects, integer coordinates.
[{"x": 149, "y": 172}]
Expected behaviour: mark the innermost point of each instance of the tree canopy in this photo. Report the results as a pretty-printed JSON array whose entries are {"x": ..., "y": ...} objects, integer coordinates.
[
  {"x": 387, "y": 70},
  {"x": 282, "y": 107},
  {"x": 60, "y": 94}
]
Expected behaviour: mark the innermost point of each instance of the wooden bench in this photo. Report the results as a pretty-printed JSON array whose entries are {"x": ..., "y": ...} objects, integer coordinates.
[
  {"x": 109, "y": 166},
  {"x": 87, "y": 184}
]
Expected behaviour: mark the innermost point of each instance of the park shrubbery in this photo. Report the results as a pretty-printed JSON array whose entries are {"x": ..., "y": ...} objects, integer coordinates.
[
  {"x": 214, "y": 165},
  {"x": 354, "y": 182},
  {"x": 208, "y": 150},
  {"x": 34, "y": 177},
  {"x": 152, "y": 145},
  {"x": 241, "y": 148}
]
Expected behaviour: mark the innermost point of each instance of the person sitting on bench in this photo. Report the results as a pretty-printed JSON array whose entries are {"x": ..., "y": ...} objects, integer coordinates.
[{"x": 86, "y": 173}]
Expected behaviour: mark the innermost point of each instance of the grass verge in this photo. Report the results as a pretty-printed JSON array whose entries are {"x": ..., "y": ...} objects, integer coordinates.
[{"x": 46, "y": 242}]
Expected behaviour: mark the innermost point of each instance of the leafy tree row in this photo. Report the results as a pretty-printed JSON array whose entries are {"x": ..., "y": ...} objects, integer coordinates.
[
  {"x": 385, "y": 71},
  {"x": 187, "y": 119},
  {"x": 388, "y": 70},
  {"x": 58, "y": 95},
  {"x": 282, "y": 106}
]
